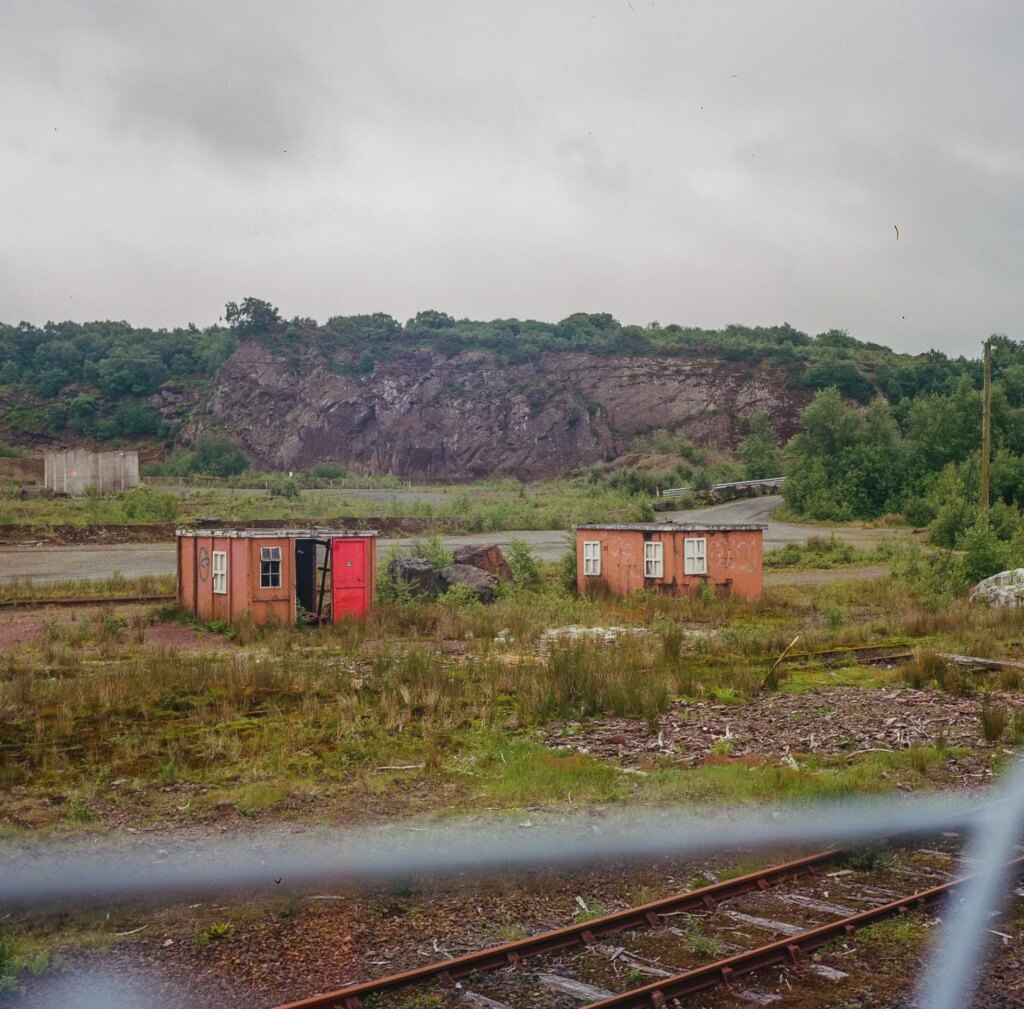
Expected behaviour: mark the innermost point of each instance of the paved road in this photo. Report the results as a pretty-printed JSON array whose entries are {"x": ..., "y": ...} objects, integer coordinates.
[
  {"x": 778, "y": 534},
  {"x": 56, "y": 563}
]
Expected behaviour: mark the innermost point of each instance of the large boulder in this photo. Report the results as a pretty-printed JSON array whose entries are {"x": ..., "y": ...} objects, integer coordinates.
[
  {"x": 417, "y": 573},
  {"x": 487, "y": 557},
  {"x": 482, "y": 583},
  {"x": 1003, "y": 589}
]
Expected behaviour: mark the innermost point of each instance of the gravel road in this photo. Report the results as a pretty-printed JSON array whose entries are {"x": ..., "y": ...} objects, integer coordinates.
[{"x": 55, "y": 563}]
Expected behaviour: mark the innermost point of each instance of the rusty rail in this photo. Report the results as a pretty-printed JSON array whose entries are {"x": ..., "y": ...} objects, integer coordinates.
[
  {"x": 829, "y": 653},
  {"x": 17, "y": 604},
  {"x": 583, "y": 933},
  {"x": 791, "y": 949}
]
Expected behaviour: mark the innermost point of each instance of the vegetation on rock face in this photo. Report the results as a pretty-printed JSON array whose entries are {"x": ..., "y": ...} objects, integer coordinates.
[
  {"x": 885, "y": 433},
  {"x": 100, "y": 380}
]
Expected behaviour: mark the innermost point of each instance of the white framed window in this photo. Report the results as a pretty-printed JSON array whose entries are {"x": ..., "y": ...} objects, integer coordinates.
[
  {"x": 591, "y": 557},
  {"x": 654, "y": 560},
  {"x": 695, "y": 556},
  {"x": 270, "y": 567},
  {"x": 220, "y": 572}
]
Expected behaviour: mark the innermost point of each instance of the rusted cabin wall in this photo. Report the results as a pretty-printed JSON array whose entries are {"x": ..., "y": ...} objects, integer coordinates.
[
  {"x": 734, "y": 562},
  {"x": 272, "y": 604},
  {"x": 245, "y": 595}
]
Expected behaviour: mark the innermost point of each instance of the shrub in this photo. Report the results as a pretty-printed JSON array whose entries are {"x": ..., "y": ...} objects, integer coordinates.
[
  {"x": 994, "y": 718},
  {"x": 146, "y": 504},
  {"x": 216, "y": 455},
  {"x": 567, "y": 565},
  {"x": 432, "y": 550},
  {"x": 984, "y": 553},
  {"x": 925, "y": 667},
  {"x": 327, "y": 471},
  {"x": 524, "y": 564},
  {"x": 283, "y": 487},
  {"x": 1015, "y": 729}
]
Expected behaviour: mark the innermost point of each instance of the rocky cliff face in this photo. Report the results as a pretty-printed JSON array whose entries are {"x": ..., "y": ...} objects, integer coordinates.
[{"x": 421, "y": 414}]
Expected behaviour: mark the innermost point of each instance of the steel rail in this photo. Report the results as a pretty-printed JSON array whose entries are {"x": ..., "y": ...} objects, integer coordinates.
[
  {"x": 829, "y": 653},
  {"x": 658, "y": 994},
  {"x": 17, "y": 604},
  {"x": 582, "y": 933}
]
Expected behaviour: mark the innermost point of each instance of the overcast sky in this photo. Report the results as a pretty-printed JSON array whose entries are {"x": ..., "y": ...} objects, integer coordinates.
[{"x": 699, "y": 162}]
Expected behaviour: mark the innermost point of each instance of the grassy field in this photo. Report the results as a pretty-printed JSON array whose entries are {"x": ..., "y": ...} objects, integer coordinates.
[
  {"x": 135, "y": 718},
  {"x": 481, "y": 507},
  {"x": 441, "y": 705}
]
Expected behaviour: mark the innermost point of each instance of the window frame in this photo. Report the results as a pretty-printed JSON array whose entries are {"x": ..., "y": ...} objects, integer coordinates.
[
  {"x": 270, "y": 567},
  {"x": 592, "y": 558},
  {"x": 695, "y": 558},
  {"x": 654, "y": 559},
  {"x": 219, "y": 572}
]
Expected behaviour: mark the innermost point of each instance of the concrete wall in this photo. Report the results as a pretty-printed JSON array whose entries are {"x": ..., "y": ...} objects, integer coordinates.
[{"x": 71, "y": 472}]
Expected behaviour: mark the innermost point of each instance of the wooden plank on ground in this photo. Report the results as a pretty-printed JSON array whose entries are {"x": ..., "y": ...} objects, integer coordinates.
[
  {"x": 577, "y": 989},
  {"x": 478, "y": 1001},
  {"x": 767, "y": 923}
]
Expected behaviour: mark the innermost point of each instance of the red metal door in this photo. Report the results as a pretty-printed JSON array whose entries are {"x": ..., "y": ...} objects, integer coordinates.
[{"x": 349, "y": 577}]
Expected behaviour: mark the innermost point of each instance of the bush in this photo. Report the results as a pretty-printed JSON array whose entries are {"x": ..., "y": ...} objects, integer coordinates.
[
  {"x": 935, "y": 576},
  {"x": 432, "y": 550},
  {"x": 327, "y": 471},
  {"x": 567, "y": 565},
  {"x": 985, "y": 553},
  {"x": 524, "y": 564},
  {"x": 146, "y": 504},
  {"x": 216, "y": 455},
  {"x": 283, "y": 487},
  {"x": 994, "y": 718}
]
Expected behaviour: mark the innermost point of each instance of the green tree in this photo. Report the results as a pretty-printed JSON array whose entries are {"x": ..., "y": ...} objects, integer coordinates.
[
  {"x": 760, "y": 451},
  {"x": 831, "y": 430},
  {"x": 216, "y": 455},
  {"x": 131, "y": 373},
  {"x": 251, "y": 317}
]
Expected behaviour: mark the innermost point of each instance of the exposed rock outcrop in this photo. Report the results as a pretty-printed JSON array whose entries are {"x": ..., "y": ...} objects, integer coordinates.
[{"x": 422, "y": 414}]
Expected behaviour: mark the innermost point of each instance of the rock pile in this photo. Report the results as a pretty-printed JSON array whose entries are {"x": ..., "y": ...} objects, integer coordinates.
[{"x": 479, "y": 568}]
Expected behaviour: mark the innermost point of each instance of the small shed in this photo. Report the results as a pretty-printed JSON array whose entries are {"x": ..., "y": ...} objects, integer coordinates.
[
  {"x": 74, "y": 471},
  {"x": 276, "y": 574},
  {"x": 670, "y": 558}
]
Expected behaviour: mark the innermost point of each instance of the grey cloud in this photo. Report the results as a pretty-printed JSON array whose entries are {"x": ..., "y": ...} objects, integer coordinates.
[{"x": 695, "y": 163}]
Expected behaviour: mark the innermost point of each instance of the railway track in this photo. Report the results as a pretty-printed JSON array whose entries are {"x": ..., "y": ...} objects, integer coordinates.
[
  {"x": 24, "y": 604},
  {"x": 497, "y": 975},
  {"x": 865, "y": 654}
]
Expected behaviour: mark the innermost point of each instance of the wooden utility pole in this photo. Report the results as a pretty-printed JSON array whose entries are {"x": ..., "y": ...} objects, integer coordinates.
[{"x": 986, "y": 431}]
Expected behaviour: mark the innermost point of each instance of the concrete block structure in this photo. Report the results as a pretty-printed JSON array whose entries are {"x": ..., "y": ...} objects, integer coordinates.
[
  {"x": 74, "y": 471},
  {"x": 672, "y": 559},
  {"x": 276, "y": 575}
]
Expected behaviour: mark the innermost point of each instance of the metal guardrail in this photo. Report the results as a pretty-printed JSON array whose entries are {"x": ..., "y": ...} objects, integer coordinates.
[{"x": 734, "y": 485}]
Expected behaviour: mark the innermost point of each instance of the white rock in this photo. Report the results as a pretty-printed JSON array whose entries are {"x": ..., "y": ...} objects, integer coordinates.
[{"x": 1003, "y": 589}]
